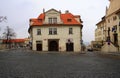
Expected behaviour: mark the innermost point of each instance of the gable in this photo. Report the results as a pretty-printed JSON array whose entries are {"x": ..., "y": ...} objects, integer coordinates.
[{"x": 52, "y": 12}]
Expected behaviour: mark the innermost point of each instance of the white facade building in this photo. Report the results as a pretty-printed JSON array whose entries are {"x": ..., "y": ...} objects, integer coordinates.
[{"x": 54, "y": 31}]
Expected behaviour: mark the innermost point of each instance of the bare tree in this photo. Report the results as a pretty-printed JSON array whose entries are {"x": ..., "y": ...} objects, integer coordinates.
[
  {"x": 3, "y": 18},
  {"x": 8, "y": 35}
]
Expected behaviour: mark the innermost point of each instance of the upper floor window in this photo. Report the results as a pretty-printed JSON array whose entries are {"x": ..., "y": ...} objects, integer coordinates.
[
  {"x": 114, "y": 28},
  {"x": 108, "y": 20},
  {"x": 52, "y": 20},
  {"x": 70, "y": 30},
  {"x": 38, "y": 31},
  {"x": 52, "y": 31},
  {"x": 114, "y": 18}
]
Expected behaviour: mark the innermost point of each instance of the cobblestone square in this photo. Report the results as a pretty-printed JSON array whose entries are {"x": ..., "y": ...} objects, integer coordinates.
[{"x": 23, "y": 63}]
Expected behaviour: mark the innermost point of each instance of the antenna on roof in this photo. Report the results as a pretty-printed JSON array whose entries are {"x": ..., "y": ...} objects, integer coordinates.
[{"x": 43, "y": 10}]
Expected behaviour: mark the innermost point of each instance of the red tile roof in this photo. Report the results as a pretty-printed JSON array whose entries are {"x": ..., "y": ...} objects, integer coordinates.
[
  {"x": 64, "y": 17},
  {"x": 67, "y": 16},
  {"x": 15, "y": 40}
]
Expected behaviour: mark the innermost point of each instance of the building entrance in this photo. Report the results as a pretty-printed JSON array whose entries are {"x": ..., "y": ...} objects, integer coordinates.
[
  {"x": 39, "y": 45},
  {"x": 69, "y": 46},
  {"x": 115, "y": 39},
  {"x": 53, "y": 45}
]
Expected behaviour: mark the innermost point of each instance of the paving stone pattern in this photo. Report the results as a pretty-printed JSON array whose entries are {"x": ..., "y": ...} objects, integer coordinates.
[{"x": 21, "y": 63}]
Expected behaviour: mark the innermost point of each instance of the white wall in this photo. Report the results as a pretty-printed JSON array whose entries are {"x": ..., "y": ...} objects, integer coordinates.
[{"x": 62, "y": 34}]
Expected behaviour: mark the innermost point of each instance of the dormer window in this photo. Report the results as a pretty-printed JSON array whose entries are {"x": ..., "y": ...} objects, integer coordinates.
[
  {"x": 52, "y": 20},
  {"x": 69, "y": 20},
  {"x": 40, "y": 20}
]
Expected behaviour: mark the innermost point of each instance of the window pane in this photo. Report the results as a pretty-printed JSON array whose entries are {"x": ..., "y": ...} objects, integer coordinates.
[
  {"x": 70, "y": 31},
  {"x": 55, "y": 30},
  {"x": 50, "y": 30},
  {"x": 38, "y": 31},
  {"x": 54, "y": 20},
  {"x": 50, "y": 20}
]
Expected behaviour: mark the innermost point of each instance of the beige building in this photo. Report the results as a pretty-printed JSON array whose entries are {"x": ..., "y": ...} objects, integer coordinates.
[
  {"x": 55, "y": 31},
  {"x": 108, "y": 29},
  {"x": 100, "y": 34}
]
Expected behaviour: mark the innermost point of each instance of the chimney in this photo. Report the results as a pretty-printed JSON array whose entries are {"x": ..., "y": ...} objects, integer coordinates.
[
  {"x": 67, "y": 11},
  {"x": 60, "y": 11}
]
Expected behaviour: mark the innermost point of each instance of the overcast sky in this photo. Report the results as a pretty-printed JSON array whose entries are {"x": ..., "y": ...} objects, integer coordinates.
[{"x": 19, "y": 12}]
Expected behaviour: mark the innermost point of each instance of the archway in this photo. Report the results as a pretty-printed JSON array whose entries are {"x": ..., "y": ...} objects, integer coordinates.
[
  {"x": 53, "y": 45},
  {"x": 69, "y": 46}
]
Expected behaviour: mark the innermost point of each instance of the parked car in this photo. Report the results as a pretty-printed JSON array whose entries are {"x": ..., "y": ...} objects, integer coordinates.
[{"x": 89, "y": 49}]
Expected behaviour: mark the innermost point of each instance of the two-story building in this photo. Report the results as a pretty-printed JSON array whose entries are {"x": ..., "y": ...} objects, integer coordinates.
[{"x": 56, "y": 31}]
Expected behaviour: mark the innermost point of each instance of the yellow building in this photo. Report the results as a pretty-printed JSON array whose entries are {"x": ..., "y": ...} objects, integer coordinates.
[
  {"x": 108, "y": 29},
  {"x": 118, "y": 14}
]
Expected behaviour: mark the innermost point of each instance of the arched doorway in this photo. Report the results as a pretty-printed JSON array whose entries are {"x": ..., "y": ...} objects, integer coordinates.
[
  {"x": 53, "y": 45},
  {"x": 69, "y": 46},
  {"x": 39, "y": 45}
]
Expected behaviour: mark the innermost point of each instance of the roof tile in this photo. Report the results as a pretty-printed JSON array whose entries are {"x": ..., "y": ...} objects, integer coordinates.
[{"x": 64, "y": 17}]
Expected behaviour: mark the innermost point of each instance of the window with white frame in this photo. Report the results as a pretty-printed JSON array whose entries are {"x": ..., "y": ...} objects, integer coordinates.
[
  {"x": 52, "y": 31},
  {"x": 70, "y": 30},
  {"x": 55, "y": 20},
  {"x": 38, "y": 31},
  {"x": 52, "y": 20}
]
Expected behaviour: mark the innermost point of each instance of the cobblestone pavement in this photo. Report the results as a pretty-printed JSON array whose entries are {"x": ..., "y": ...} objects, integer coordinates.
[{"x": 30, "y": 64}]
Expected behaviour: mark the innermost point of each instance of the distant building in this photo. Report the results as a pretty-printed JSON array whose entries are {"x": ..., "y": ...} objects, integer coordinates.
[
  {"x": 108, "y": 29},
  {"x": 54, "y": 31},
  {"x": 100, "y": 34},
  {"x": 14, "y": 43}
]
